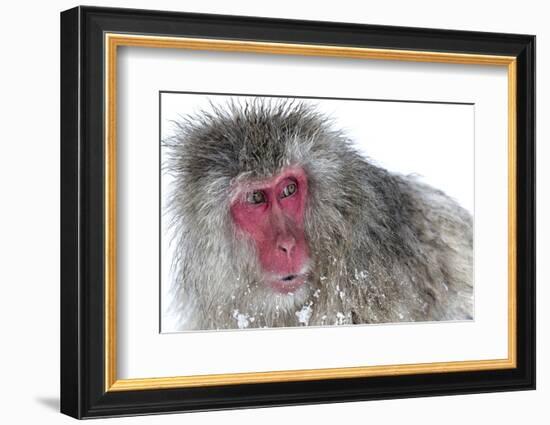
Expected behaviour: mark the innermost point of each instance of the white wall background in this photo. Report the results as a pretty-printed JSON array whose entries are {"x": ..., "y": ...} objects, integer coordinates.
[{"x": 29, "y": 229}]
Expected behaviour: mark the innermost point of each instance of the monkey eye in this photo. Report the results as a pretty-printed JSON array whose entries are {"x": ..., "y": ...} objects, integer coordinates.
[
  {"x": 256, "y": 197},
  {"x": 289, "y": 190}
]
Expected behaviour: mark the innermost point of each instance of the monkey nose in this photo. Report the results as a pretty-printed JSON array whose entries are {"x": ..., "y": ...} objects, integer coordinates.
[{"x": 286, "y": 245}]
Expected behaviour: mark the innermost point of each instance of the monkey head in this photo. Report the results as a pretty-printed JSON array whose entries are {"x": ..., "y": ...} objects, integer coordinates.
[{"x": 257, "y": 203}]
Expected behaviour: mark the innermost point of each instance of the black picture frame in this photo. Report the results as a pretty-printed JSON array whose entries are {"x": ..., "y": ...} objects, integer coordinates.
[{"x": 83, "y": 393}]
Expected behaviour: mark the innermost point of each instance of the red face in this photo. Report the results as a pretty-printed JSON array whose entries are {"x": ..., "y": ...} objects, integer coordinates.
[{"x": 271, "y": 213}]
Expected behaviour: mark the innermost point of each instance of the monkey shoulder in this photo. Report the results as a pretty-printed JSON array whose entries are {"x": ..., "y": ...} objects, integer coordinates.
[{"x": 420, "y": 247}]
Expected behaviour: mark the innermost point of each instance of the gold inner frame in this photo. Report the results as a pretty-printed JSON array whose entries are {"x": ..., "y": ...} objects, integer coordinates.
[{"x": 113, "y": 41}]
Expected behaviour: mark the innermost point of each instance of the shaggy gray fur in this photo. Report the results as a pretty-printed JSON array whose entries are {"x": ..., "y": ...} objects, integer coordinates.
[{"x": 384, "y": 247}]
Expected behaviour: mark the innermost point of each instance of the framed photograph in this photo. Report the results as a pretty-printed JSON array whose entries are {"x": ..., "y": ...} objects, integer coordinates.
[{"x": 261, "y": 212}]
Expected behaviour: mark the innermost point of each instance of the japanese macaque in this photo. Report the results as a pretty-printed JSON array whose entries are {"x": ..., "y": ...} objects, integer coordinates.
[{"x": 279, "y": 221}]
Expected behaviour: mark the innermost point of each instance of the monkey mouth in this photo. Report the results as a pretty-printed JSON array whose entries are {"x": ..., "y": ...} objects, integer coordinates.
[{"x": 288, "y": 283}]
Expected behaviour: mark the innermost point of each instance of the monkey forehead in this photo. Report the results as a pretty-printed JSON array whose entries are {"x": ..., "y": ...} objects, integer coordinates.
[
  {"x": 245, "y": 183},
  {"x": 258, "y": 136}
]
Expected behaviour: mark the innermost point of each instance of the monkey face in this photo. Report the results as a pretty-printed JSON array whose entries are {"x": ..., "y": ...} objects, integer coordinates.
[{"x": 271, "y": 213}]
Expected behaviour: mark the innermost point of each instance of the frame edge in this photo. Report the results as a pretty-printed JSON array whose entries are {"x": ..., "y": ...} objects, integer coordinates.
[
  {"x": 81, "y": 399},
  {"x": 70, "y": 349},
  {"x": 526, "y": 201}
]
